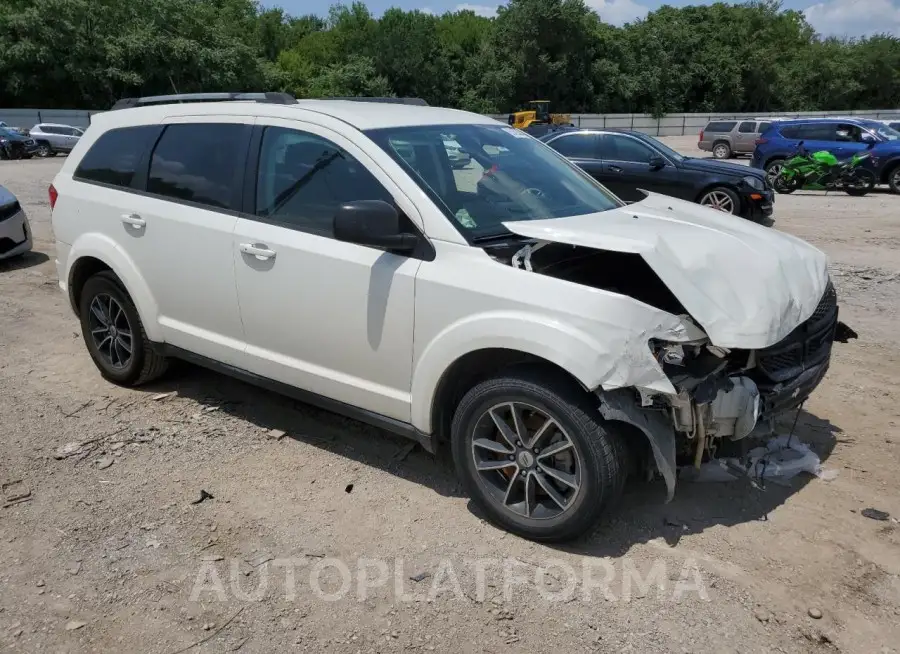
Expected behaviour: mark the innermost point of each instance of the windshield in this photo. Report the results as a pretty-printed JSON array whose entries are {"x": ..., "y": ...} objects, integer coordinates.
[
  {"x": 507, "y": 176},
  {"x": 886, "y": 132},
  {"x": 7, "y": 132}
]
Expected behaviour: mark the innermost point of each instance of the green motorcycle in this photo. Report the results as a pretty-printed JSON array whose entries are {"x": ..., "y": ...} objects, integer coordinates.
[{"x": 822, "y": 171}]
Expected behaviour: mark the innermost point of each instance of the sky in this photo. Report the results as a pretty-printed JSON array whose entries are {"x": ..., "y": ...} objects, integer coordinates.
[{"x": 828, "y": 17}]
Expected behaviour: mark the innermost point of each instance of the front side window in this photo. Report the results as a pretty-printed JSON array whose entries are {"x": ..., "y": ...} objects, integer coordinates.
[
  {"x": 197, "y": 163},
  {"x": 617, "y": 147},
  {"x": 114, "y": 157},
  {"x": 512, "y": 176},
  {"x": 576, "y": 146},
  {"x": 304, "y": 178}
]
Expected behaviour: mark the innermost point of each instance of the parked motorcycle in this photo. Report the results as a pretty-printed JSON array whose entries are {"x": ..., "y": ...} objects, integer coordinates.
[{"x": 822, "y": 171}]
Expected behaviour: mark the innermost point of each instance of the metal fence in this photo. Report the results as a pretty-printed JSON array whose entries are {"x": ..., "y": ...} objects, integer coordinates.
[
  {"x": 682, "y": 124},
  {"x": 669, "y": 125},
  {"x": 28, "y": 118}
]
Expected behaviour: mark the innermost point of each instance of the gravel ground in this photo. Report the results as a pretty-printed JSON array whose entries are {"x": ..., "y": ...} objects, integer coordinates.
[{"x": 108, "y": 549}]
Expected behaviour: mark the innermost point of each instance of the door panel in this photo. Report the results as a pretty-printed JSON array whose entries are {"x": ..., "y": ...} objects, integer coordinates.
[
  {"x": 180, "y": 233},
  {"x": 330, "y": 317},
  {"x": 626, "y": 164},
  {"x": 745, "y": 136}
]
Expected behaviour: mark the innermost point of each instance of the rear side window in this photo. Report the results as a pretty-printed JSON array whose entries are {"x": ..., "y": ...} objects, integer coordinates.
[
  {"x": 576, "y": 146},
  {"x": 763, "y": 127},
  {"x": 115, "y": 156},
  {"x": 720, "y": 126},
  {"x": 747, "y": 127},
  {"x": 197, "y": 162}
]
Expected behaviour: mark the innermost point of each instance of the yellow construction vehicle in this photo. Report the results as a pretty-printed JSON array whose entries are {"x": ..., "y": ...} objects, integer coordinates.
[{"x": 539, "y": 114}]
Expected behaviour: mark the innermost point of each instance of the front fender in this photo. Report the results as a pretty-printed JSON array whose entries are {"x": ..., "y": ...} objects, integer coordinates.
[
  {"x": 103, "y": 248},
  {"x": 620, "y": 359}
]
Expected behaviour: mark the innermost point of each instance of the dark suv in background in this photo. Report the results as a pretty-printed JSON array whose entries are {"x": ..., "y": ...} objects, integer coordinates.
[
  {"x": 14, "y": 145},
  {"x": 842, "y": 137},
  {"x": 626, "y": 162}
]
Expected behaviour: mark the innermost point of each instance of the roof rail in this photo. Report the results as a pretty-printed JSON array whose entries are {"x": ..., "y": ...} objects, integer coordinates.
[
  {"x": 414, "y": 101},
  {"x": 271, "y": 98}
]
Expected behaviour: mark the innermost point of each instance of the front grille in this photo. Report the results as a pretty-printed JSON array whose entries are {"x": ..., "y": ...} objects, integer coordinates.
[
  {"x": 9, "y": 210},
  {"x": 807, "y": 346}
]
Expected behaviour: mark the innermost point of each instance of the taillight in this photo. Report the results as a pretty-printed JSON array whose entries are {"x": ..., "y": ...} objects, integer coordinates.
[
  {"x": 701, "y": 134},
  {"x": 53, "y": 195},
  {"x": 760, "y": 141}
]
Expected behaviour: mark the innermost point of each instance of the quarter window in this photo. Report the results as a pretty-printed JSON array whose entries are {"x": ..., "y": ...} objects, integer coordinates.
[
  {"x": 304, "y": 178},
  {"x": 114, "y": 157},
  {"x": 197, "y": 162}
]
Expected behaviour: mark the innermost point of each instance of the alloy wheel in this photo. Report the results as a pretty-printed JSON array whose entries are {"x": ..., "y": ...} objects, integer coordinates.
[
  {"x": 111, "y": 331},
  {"x": 526, "y": 461},
  {"x": 718, "y": 200},
  {"x": 773, "y": 171},
  {"x": 895, "y": 178},
  {"x": 43, "y": 151}
]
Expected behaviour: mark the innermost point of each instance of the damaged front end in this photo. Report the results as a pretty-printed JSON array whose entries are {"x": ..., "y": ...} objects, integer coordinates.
[{"x": 721, "y": 394}]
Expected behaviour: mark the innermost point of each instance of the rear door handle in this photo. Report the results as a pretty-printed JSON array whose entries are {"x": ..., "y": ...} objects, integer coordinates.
[
  {"x": 614, "y": 169},
  {"x": 258, "y": 250},
  {"x": 134, "y": 220}
]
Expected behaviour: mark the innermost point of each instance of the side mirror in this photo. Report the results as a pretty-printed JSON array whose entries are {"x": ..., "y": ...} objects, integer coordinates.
[
  {"x": 657, "y": 162},
  {"x": 372, "y": 222}
]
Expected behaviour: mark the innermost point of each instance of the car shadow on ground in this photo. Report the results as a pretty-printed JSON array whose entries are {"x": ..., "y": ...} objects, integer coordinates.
[
  {"x": 21, "y": 262},
  {"x": 641, "y": 516},
  {"x": 305, "y": 423}
]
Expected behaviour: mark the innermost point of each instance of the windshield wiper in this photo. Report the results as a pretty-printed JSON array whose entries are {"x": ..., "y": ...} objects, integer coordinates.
[{"x": 499, "y": 236}]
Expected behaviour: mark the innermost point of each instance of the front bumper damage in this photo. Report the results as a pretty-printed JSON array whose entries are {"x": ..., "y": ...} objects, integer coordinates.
[{"x": 727, "y": 394}]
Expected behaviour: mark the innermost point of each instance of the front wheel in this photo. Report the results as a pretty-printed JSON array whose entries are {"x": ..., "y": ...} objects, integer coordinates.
[
  {"x": 43, "y": 151},
  {"x": 894, "y": 179},
  {"x": 723, "y": 199},
  {"x": 533, "y": 452},
  {"x": 785, "y": 185},
  {"x": 859, "y": 182}
]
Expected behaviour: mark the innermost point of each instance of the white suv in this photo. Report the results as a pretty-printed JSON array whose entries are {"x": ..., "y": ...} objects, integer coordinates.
[{"x": 557, "y": 338}]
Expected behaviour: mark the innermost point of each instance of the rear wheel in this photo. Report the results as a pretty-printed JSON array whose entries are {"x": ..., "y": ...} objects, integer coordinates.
[
  {"x": 114, "y": 334},
  {"x": 773, "y": 169},
  {"x": 723, "y": 199},
  {"x": 533, "y": 452},
  {"x": 861, "y": 182},
  {"x": 721, "y": 150}
]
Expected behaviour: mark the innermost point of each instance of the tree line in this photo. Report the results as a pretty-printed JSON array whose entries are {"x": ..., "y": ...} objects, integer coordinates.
[{"x": 754, "y": 56}]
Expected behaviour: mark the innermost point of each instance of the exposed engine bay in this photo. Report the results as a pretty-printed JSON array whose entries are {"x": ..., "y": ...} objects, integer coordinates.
[{"x": 722, "y": 395}]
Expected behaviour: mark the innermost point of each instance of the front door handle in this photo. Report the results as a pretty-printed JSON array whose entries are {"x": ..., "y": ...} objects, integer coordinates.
[
  {"x": 258, "y": 250},
  {"x": 614, "y": 169},
  {"x": 134, "y": 220}
]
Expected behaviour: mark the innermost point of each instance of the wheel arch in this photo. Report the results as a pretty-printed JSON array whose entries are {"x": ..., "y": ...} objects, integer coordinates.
[
  {"x": 888, "y": 168},
  {"x": 93, "y": 253}
]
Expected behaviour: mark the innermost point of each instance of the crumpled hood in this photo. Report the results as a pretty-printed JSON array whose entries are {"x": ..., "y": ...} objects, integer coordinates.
[{"x": 747, "y": 285}]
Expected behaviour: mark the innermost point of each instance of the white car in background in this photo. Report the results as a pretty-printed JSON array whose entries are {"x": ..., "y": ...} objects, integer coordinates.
[
  {"x": 15, "y": 232},
  {"x": 557, "y": 338},
  {"x": 53, "y": 139}
]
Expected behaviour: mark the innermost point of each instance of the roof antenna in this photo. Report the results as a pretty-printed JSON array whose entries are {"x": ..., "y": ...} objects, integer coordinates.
[{"x": 173, "y": 85}]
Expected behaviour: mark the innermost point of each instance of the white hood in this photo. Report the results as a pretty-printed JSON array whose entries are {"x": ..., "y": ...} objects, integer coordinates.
[{"x": 747, "y": 285}]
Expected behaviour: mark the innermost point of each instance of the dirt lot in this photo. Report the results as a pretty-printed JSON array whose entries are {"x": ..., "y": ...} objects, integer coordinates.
[{"x": 107, "y": 550}]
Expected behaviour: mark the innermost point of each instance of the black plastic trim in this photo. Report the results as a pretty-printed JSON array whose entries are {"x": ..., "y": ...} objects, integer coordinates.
[{"x": 363, "y": 415}]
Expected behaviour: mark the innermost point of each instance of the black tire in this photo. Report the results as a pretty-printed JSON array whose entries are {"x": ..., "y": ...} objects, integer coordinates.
[
  {"x": 44, "y": 150},
  {"x": 867, "y": 177},
  {"x": 721, "y": 150},
  {"x": 144, "y": 364},
  {"x": 893, "y": 179},
  {"x": 601, "y": 454}
]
